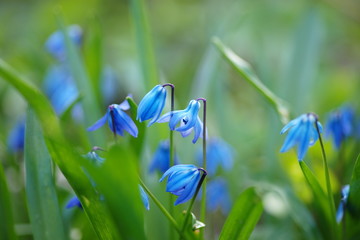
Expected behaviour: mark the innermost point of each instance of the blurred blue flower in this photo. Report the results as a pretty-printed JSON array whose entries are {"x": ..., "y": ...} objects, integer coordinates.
[
  {"x": 152, "y": 105},
  {"x": 183, "y": 181},
  {"x": 144, "y": 198},
  {"x": 161, "y": 158},
  {"x": 55, "y": 44},
  {"x": 218, "y": 153},
  {"x": 94, "y": 157},
  {"x": 217, "y": 195},
  {"x": 74, "y": 202},
  {"x": 118, "y": 120},
  {"x": 342, "y": 205},
  {"x": 340, "y": 125},
  {"x": 302, "y": 133},
  {"x": 187, "y": 118},
  {"x": 15, "y": 140}
]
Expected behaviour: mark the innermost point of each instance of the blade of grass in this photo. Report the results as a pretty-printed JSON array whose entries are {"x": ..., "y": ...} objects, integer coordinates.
[
  {"x": 353, "y": 206},
  {"x": 89, "y": 100},
  {"x": 243, "y": 217},
  {"x": 246, "y": 71},
  {"x": 43, "y": 205},
  {"x": 144, "y": 43},
  {"x": 61, "y": 153},
  {"x": 7, "y": 230}
]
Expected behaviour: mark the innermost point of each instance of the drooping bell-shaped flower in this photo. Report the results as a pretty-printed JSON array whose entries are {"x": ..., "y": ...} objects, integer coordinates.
[
  {"x": 185, "y": 121},
  {"x": 343, "y": 201},
  {"x": 55, "y": 44},
  {"x": 340, "y": 125},
  {"x": 183, "y": 181},
  {"x": 161, "y": 158},
  {"x": 118, "y": 120},
  {"x": 218, "y": 154},
  {"x": 74, "y": 202},
  {"x": 144, "y": 198},
  {"x": 217, "y": 195},
  {"x": 152, "y": 105},
  {"x": 302, "y": 132}
]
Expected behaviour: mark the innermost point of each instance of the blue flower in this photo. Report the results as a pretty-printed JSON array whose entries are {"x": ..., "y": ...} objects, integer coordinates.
[
  {"x": 188, "y": 120},
  {"x": 94, "y": 157},
  {"x": 218, "y": 153},
  {"x": 217, "y": 195},
  {"x": 161, "y": 158},
  {"x": 342, "y": 205},
  {"x": 144, "y": 198},
  {"x": 55, "y": 44},
  {"x": 118, "y": 120},
  {"x": 74, "y": 202},
  {"x": 183, "y": 181},
  {"x": 152, "y": 105},
  {"x": 302, "y": 132},
  {"x": 16, "y": 136},
  {"x": 340, "y": 125}
]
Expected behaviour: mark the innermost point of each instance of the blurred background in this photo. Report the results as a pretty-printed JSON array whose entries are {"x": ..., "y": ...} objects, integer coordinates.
[{"x": 306, "y": 52}]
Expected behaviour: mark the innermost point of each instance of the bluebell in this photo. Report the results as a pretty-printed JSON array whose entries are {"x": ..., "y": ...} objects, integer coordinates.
[
  {"x": 340, "y": 125},
  {"x": 74, "y": 202},
  {"x": 118, "y": 120},
  {"x": 302, "y": 132},
  {"x": 182, "y": 181},
  {"x": 343, "y": 201},
  {"x": 219, "y": 154},
  {"x": 151, "y": 106},
  {"x": 144, "y": 198},
  {"x": 161, "y": 158},
  {"x": 55, "y": 44},
  {"x": 185, "y": 121},
  {"x": 217, "y": 195},
  {"x": 15, "y": 140}
]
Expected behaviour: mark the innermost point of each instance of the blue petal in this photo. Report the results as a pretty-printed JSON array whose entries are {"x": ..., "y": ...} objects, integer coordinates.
[
  {"x": 125, "y": 104},
  {"x": 189, "y": 190},
  {"x": 125, "y": 122},
  {"x": 74, "y": 202},
  {"x": 179, "y": 180},
  {"x": 304, "y": 142},
  {"x": 99, "y": 123},
  {"x": 144, "y": 198},
  {"x": 179, "y": 167},
  {"x": 291, "y": 124},
  {"x": 291, "y": 138},
  {"x": 166, "y": 117},
  {"x": 198, "y": 129},
  {"x": 340, "y": 212}
]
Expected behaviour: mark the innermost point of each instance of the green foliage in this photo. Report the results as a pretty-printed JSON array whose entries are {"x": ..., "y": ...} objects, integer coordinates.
[{"x": 352, "y": 214}]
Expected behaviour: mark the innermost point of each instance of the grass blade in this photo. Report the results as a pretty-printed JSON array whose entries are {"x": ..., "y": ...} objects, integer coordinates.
[
  {"x": 246, "y": 71},
  {"x": 42, "y": 199},
  {"x": 243, "y": 217},
  {"x": 353, "y": 206},
  {"x": 7, "y": 230}
]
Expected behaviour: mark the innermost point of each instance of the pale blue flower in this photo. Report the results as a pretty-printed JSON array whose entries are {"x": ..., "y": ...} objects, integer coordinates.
[
  {"x": 118, "y": 120},
  {"x": 218, "y": 154},
  {"x": 144, "y": 198},
  {"x": 152, "y": 105},
  {"x": 340, "y": 125},
  {"x": 302, "y": 132},
  {"x": 183, "y": 181},
  {"x": 55, "y": 44},
  {"x": 161, "y": 158},
  {"x": 342, "y": 205},
  {"x": 185, "y": 121}
]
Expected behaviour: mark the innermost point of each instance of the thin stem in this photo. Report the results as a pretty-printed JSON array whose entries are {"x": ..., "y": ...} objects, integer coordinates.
[
  {"x": 162, "y": 208},
  {"x": 171, "y": 150},
  {"x": 188, "y": 212},
  {"x": 327, "y": 178},
  {"x": 203, "y": 197}
]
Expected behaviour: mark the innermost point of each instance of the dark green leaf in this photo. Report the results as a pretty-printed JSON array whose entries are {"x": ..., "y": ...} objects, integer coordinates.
[
  {"x": 243, "y": 217},
  {"x": 352, "y": 213},
  {"x": 43, "y": 205}
]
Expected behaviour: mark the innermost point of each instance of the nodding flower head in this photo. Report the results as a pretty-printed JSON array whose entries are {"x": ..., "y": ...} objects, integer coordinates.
[
  {"x": 74, "y": 202},
  {"x": 183, "y": 181},
  {"x": 302, "y": 132},
  {"x": 144, "y": 198},
  {"x": 343, "y": 202},
  {"x": 152, "y": 105},
  {"x": 118, "y": 120},
  {"x": 340, "y": 125},
  {"x": 185, "y": 121},
  {"x": 55, "y": 44},
  {"x": 218, "y": 196},
  {"x": 161, "y": 158}
]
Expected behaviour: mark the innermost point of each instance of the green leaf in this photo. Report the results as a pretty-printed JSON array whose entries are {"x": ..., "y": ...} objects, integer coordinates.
[
  {"x": 86, "y": 90},
  {"x": 246, "y": 71},
  {"x": 7, "y": 230},
  {"x": 144, "y": 43},
  {"x": 61, "y": 152},
  {"x": 352, "y": 213},
  {"x": 117, "y": 180},
  {"x": 243, "y": 217},
  {"x": 43, "y": 205}
]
